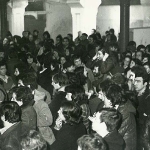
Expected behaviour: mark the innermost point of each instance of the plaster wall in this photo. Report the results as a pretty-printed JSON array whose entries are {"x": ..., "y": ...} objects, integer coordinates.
[
  {"x": 59, "y": 19},
  {"x": 109, "y": 17}
]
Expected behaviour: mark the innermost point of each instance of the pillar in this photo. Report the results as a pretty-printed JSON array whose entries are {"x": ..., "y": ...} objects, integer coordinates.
[
  {"x": 124, "y": 24},
  {"x": 17, "y": 21},
  {"x": 84, "y": 15},
  {"x": 3, "y": 18}
]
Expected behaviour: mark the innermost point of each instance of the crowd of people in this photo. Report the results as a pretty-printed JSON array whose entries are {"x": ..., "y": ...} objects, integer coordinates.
[{"x": 83, "y": 94}]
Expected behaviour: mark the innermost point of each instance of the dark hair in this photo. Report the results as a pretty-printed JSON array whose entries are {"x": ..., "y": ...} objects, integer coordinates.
[
  {"x": 132, "y": 43},
  {"x": 23, "y": 94},
  {"x": 111, "y": 117},
  {"x": 148, "y": 48},
  {"x": 139, "y": 47},
  {"x": 22, "y": 68},
  {"x": 78, "y": 93},
  {"x": 67, "y": 64},
  {"x": 84, "y": 34},
  {"x": 92, "y": 142},
  {"x": 115, "y": 94},
  {"x": 47, "y": 33},
  {"x": 137, "y": 61},
  {"x": 140, "y": 71},
  {"x": 29, "y": 79},
  {"x": 61, "y": 78},
  {"x": 11, "y": 111},
  {"x": 60, "y": 37},
  {"x": 79, "y": 71},
  {"x": 33, "y": 141},
  {"x": 72, "y": 112}
]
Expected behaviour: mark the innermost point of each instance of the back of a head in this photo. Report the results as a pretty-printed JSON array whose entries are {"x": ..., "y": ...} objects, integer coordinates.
[
  {"x": 33, "y": 141},
  {"x": 91, "y": 142},
  {"x": 11, "y": 111},
  {"x": 61, "y": 78},
  {"x": 111, "y": 117},
  {"x": 72, "y": 112},
  {"x": 115, "y": 94}
]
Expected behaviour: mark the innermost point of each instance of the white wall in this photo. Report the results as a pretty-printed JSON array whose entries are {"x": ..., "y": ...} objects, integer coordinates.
[
  {"x": 109, "y": 17},
  {"x": 59, "y": 19}
]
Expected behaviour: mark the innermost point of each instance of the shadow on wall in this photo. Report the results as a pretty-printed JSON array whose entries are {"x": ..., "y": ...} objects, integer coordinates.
[{"x": 31, "y": 23}]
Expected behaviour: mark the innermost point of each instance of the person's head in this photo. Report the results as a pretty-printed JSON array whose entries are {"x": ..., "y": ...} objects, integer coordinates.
[
  {"x": 59, "y": 39},
  {"x": 141, "y": 48},
  {"x": 20, "y": 68},
  {"x": 30, "y": 58},
  {"x": 30, "y": 37},
  {"x": 70, "y": 36},
  {"x": 139, "y": 55},
  {"x": 3, "y": 69},
  {"x": 62, "y": 60},
  {"x": 146, "y": 58},
  {"x": 69, "y": 66},
  {"x": 147, "y": 67},
  {"x": 75, "y": 93},
  {"x": 140, "y": 78},
  {"x": 33, "y": 141},
  {"x": 91, "y": 142},
  {"x": 77, "y": 61},
  {"x": 112, "y": 31},
  {"x": 135, "y": 62},
  {"x": 148, "y": 49},
  {"x": 28, "y": 80},
  {"x": 127, "y": 61},
  {"x": 84, "y": 36},
  {"x": 59, "y": 80},
  {"x": 81, "y": 74},
  {"x": 66, "y": 41},
  {"x": 132, "y": 43},
  {"x": 70, "y": 112},
  {"x": 112, "y": 95},
  {"x": 93, "y": 31},
  {"x": 100, "y": 54},
  {"x": 46, "y": 35},
  {"x": 35, "y": 33},
  {"x": 105, "y": 121},
  {"x": 10, "y": 113},
  {"x": 22, "y": 95},
  {"x": 91, "y": 39}
]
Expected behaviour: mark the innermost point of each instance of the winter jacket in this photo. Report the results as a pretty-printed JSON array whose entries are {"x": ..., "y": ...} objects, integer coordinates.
[
  {"x": 11, "y": 138},
  {"x": 44, "y": 117},
  {"x": 128, "y": 126},
  {"x": 66, "y": 137},
  {"x": 29, "y": 116},
  {"x": 114, "y": 141}
]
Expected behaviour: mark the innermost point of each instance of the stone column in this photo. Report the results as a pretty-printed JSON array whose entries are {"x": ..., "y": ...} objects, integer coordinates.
[
  {"x": 84, "y": 14},
  {"x": 3, "y": 18},
  {"x": 18, "y": 11},
  {"x": 124, "y": 24}
]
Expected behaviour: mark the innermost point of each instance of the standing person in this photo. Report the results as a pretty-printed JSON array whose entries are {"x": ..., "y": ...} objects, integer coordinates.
[
  {"x": 59, "y": 82},
  {"x": 114, "y": 96},
  {"x": 44, "y": 117},
  {"x": 25, "y": 99},
  {"x": 7, "y": 80},
  {"x": 141, "y": 86},
  {"x": 70, "y": 127},
  {"x": 105, "y": 123}
]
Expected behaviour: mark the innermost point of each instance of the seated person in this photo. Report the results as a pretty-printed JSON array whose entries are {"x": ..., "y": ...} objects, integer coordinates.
[
  {"x": 32, "y": 141},
  {"x": 25, "y": 99},
  {"x": 106, "y": 122},
  {"x": 69, "y": 127},
  {"x": 12, "y": 129},
  {"x": 91, "y": 142}
]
